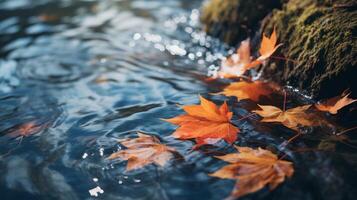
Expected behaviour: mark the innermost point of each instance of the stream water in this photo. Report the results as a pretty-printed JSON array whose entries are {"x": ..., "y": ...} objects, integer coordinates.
[{"x": 80, "y": 74}]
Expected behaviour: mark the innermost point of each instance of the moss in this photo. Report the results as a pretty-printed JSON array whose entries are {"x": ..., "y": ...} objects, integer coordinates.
[
  {"x": 234, "y": 20},
  {"x": 321, "y": 37}
]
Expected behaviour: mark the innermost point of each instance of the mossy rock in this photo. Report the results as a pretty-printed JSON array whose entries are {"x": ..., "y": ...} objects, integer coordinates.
[
  {"x": 234, "y": 20},
  {"x": 320, "y": 36}
]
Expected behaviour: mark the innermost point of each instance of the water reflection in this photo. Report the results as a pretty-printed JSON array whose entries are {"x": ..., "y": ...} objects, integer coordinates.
[{"x": 91, "y": 72}]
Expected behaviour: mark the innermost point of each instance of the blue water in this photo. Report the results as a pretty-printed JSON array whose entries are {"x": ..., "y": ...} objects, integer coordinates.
[{"x": 88, "y": 72}]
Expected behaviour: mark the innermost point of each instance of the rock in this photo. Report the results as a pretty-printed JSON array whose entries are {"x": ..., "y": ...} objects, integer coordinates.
[
  {"x": 234, "y": 20},
  {"x": 320, "y": 35}
]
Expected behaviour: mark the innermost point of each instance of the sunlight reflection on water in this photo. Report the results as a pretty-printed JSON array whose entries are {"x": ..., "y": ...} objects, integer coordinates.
[{"x": 93, "y": 72}]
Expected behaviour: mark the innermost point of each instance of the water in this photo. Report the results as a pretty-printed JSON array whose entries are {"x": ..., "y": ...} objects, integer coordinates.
[{"x": 78, "y": 75}]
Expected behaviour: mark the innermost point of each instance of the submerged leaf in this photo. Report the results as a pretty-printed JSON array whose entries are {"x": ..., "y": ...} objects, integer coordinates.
[
  {"x": 333, "y": 105},
  {"x": 292, "y": 118},
  {"x": 205, "y": 122},
  {"x": 253, "y": 169},
  {"x": 27, "y": 129},
  {"x": 143, "y": 151},
  {"x": 248, "y": 90}
]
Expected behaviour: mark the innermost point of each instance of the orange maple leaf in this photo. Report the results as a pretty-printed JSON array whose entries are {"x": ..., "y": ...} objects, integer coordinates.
[
  {"x": 267, "y": 48},
  {"x": 248, "y": 90},
  {"x": 143, "y": 151},
  {"x": 27, "y": 129},
  {"x": 206, "y": 123},
  {"x": 253, "y": 169},
  {"x": 333, "y": 105},
  {"x": 291, "y": 118},
  {"x": 235, "y": 65}
]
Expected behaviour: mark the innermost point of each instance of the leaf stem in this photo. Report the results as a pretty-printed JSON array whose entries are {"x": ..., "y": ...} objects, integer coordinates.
[
  {"x": 293, "y": 138},
  {"x": 283, "y": 58},
  {"x": 345, "y": 131},
  {"x": 284, "y": 106}
]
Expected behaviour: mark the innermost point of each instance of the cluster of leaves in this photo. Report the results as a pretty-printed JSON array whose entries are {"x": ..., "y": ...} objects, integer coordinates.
[
  {"x": 208, "y": 123},
  {"x": 238, "y": 64}
]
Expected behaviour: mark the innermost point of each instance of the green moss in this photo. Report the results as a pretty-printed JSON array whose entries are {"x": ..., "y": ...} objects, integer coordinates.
[
  {"x": 320, "y": 35},
  {"x": 234, "y": 20},
  {"x": 321, "y": 38}
]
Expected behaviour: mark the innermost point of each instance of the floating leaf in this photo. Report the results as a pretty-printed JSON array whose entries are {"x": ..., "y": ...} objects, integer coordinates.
[
  {"x": 253, "y": 169},
  {"x": 143, "y": 151},
  {"x": 205, "y": 122},
  {"x": 292, "y": 118},
  {"x": 333, "y": 105},
  {"x": 248, "y": 90}
]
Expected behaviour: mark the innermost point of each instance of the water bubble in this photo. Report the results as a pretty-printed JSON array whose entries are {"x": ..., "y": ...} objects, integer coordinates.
[
  {"x": 94, "y": 192},
  {"x": 188, "y": 30},
  {"x": 191, "y": 56},
  {"x": 160, "y": 47},
  {"x": 101, "y": 151},
  {"x": 84, "y": 156},
  {"x": 136, "y": 36}
]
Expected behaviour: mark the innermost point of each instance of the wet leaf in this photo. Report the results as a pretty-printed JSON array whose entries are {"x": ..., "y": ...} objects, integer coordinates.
[
  {"x": 333, "y": 105},
  {"x": 292, "y": 118},
  {"x": 267, "y": 48},
  {"x": 207, "y": 123},
  {"x": 253, "y": 169},
  {"x": 27, "y": 129},
  {"x": 236, "y": 64},
  {"x": 248, "y": 90},
  {"x": 143, "y": 151},
  {"x": 49, "y": 17}
]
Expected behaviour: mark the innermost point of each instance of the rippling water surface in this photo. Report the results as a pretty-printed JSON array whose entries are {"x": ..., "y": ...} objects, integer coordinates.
[{"x": 80, "y": 74}]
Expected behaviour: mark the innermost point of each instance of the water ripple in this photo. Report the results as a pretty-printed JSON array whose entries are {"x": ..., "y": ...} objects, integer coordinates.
[{"x": 76, "y": 76}]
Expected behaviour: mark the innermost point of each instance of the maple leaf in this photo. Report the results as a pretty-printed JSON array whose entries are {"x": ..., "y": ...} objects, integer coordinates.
[
  {"x": 334, "y": 104},
  {"x": 267, "y": 48},
  {"x": 143, "y": 151},
  {"x": 27, "y": 129},
  {"x": 206, "y": 123},
  {"x": 235, "y": 65},
  {"x": 248, "y": 90},
  {"x": 291, "y": 118},
  {"x": 253, "y": 169}
]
